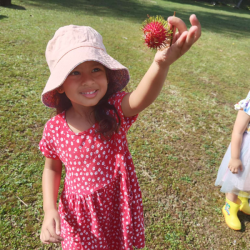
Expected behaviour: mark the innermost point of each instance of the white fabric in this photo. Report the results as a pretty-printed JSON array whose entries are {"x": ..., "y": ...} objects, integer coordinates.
[{"x": 234, "y": 183}]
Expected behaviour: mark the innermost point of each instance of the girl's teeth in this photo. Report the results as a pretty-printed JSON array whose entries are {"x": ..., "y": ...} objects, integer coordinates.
[{"x": 88, "y": 93}]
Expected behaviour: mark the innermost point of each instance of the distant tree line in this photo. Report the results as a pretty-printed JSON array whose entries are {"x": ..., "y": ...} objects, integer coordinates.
[{"x": 237, "y": 3}]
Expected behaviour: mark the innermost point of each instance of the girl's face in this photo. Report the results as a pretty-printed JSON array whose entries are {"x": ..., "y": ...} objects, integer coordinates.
[{"x": 86, "y": 84}]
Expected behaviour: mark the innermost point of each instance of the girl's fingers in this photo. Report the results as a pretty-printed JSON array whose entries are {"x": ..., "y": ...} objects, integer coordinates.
[
  {"x": 53, "y": 240},
  {"x": 231, "y": 169},
  {"x": 177, "y": 23},
  {"x": 173, "y": 35},
  {"x": 53, "y": 234},
  {"x": 190, "y": 39},
  {"x": 185, "y": 39},
  {"x": 195, "y": 22},
  {"x": 47, "y": 238},
  {"x": 181, "y": 40},
  {"x": 178, "y": 45},
  {"x": 191, "y": 35},
  {"x": 58, "y": 228},
  {"x": 176, "y": 37},
  {"x": 170, "y": 26}
]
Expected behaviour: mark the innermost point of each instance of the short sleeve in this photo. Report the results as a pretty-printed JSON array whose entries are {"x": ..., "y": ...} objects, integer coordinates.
[
  {"x": 116, "y": 100},
  {"x": 46, "y": 145},
  {"x": 244, "y": 104}
]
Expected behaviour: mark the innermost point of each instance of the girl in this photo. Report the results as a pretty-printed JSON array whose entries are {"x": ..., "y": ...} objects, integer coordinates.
[
  {"x": 101, "y": 205},
  {"x": 236, "y": 184}
]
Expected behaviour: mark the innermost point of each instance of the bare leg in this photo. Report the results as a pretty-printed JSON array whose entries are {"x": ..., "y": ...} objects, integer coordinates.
[{"x": 233, "y": 197}]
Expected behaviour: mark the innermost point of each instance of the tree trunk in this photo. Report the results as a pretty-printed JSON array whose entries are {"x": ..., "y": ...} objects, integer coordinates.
[
  {"x": 239, "y": 3},
  {"x": 5, "y": 2}
]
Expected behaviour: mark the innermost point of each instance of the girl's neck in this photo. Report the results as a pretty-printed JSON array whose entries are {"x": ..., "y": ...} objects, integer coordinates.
[
  {"x": 79, "y": 111},
  {"x": 80, "y": 119}
]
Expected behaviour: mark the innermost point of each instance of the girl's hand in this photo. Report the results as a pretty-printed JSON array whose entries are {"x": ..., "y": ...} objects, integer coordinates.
[
  {"x": 182, "y": 41},
  {"x": 51, "y": 227},
  {"x": 235, "y": 165}
]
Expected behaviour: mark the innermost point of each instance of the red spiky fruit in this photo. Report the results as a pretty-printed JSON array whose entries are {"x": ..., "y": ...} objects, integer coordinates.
[{"x": 157, "y": 34}]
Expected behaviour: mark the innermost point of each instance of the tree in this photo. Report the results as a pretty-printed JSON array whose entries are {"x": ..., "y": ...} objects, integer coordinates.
[
  {"x": 238, "y": 4},
  {"x": 5, "y": 2}
]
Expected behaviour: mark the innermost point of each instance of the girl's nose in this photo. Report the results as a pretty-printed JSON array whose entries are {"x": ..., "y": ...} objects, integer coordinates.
[{"x": 87, "y": 79}]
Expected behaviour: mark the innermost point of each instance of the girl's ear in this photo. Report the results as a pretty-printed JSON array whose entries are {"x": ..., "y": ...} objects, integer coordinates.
[{"x": 60, "y": 90}]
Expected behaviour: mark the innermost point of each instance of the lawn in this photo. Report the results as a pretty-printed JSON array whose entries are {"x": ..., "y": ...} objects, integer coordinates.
[{"x": 177, "y": 143}]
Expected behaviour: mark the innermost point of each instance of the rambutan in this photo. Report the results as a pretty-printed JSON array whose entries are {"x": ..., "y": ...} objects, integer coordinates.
[{"x": 157, "y": 34}]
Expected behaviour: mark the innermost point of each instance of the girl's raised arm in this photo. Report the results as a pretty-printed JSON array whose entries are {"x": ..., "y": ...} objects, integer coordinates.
[
  {"x": 152, "y": 82},
  {"x": 51, "y": 181}
]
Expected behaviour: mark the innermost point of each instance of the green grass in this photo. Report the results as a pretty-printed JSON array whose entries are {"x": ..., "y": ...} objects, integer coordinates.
[{"x": 177, "y": 143}]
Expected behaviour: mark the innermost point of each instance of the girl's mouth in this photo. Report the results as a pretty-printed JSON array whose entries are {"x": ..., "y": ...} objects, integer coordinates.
[{"x": 90, "y": 94}]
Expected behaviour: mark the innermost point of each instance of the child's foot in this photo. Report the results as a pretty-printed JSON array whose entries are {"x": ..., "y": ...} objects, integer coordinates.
[
  {"x": 230, "y": 210},
  {"x": 244, "y": 207}
]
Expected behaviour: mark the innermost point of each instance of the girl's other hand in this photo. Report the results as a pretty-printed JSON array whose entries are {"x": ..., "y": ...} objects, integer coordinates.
[
  {"x": 235, "y": 165},
  {"x": 182, "y": 40},
  {"x": 51, "y": 228}
]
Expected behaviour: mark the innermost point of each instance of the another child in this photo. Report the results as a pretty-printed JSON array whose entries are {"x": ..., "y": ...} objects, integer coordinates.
[
  {"x": 234, "y": 172},
  {"x": 101, "y": 205}
]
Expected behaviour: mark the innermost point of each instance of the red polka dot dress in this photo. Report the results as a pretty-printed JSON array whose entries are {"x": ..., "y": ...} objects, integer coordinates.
[{"x": 101, "y": 204}]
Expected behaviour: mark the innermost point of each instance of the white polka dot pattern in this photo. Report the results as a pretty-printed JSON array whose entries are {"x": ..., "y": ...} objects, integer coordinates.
[{"x": 101, "y": 203}]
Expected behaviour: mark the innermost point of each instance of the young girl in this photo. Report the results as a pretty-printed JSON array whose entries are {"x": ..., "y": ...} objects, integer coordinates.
[
  {"x": 101, "y": 205},
  {"x": 234, "y": 172}
]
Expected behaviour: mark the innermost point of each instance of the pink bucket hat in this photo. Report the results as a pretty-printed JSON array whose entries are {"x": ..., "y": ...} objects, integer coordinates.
[{"x": 71, "y": 46}]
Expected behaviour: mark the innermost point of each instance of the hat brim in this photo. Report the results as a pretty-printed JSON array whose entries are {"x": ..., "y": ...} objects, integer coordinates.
[{"x": 119, "y": 74}]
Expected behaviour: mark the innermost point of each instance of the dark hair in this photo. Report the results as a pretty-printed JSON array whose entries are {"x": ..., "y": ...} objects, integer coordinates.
[{"x": 108, "y": 122}]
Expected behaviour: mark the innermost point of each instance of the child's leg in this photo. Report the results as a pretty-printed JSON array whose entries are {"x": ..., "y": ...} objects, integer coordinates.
[
  {"x": 244, "y": 207},
  {"x": 233, "y": 197},
  {"x": 230, "y": 210}
]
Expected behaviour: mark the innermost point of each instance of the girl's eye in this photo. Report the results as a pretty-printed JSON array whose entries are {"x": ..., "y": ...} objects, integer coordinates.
[
  {"x": 96, "y": 70},
  {"x": 75, "y": 73}
]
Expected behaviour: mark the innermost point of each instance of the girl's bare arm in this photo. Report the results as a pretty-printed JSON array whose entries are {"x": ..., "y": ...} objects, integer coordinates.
[
  {"x": 51, "y": 181},
  {"x": 240, "y": 126},
  {"x": 152, "y": 82}
]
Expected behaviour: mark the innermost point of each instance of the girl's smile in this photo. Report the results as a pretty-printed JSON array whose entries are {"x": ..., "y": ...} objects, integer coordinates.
[{"x": 90, "y": 94}]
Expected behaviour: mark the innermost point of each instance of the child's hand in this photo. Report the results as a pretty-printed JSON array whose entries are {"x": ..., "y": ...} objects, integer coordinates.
[
  {"x": 235, "y": 165},
  {"x": 51, "y": 227},
  {"x": 182, "y": 41}
]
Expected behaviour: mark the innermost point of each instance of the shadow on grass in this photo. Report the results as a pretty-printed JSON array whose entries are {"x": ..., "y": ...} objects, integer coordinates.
[
  {"x": 2, "y": 17},
  {"x": 223, "y": 23},
  {"x": 208, "y": 5},
  {"x": 245, "y": 219},
  {"x": 15, "y": 7}
]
